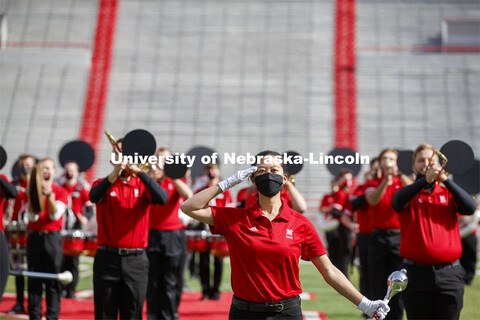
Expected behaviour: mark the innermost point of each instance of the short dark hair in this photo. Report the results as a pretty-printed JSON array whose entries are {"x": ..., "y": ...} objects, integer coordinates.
[{"x": 272, "y": 153}]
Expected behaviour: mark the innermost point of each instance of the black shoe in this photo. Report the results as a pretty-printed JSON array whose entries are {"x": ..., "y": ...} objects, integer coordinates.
[
  {"x": 18, "y": 308},
  {"x": 205, "y": 297},
  {"x": 215, "y": 296},
  {"x": 70, "y": 295}
]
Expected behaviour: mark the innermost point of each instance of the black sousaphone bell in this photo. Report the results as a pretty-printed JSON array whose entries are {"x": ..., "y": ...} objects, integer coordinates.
[
  {"x": 80, "y": 152},
  {"x": 462, "y": 165},
  {"x": 136, "y": 143},
  {"x": 334, "y": 168}
]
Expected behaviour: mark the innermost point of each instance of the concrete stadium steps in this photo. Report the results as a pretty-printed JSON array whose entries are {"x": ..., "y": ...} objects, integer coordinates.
[
  {"x": 44, "y": 69},
  {"x": 406, "y": 96},
  {"x": 236, "y": 76}
]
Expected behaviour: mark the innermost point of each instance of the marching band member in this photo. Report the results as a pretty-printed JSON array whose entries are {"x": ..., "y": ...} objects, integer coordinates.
[
  {"x": 273, "y": 237},
  {"x": 16, "y": 213},
  {"x": 120, "y": 270},
  {"x": 384, "y": 241},
  {"x": 79, "y": 211},
  {"x": 7, "y": 191},
  {"x": 212, "y": 291},
  {"x": 44, "y": 242},
  {"x": 167, "y": 247},
  {"x": 430, "y": 242},
  {"x": 363, "y": 216},
  {"x": 341, "y": 238}
]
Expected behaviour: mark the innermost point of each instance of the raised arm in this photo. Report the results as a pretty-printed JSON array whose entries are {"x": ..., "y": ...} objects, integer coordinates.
[
  {"x": 298, "y": 201},
  {"x": 182, "y": 188},
  {"x": 196, "y": 207},
  {"x": 466, "y": 205},
  {"x": 374, "y": 196}
]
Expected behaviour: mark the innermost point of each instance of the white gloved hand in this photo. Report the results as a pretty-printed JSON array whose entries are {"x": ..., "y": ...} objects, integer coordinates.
[
  {"x": 236, "y": 178},
  {"x": 370, "y": 308}
]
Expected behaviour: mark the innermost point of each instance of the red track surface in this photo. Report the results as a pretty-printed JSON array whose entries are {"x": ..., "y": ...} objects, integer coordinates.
[{"x": 191, "y": 308}]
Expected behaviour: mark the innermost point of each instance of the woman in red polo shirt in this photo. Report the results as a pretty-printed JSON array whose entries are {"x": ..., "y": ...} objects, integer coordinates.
[{"x": 266, "y": 241}]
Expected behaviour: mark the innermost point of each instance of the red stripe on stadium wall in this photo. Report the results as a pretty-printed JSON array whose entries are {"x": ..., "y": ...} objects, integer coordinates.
[
  {"x": 344, "y": 76},
  {"x": 97, "y": 89}
]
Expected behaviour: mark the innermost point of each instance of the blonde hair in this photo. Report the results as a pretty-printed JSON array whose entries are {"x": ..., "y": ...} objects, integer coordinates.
[{"x": 421, "y": 147}]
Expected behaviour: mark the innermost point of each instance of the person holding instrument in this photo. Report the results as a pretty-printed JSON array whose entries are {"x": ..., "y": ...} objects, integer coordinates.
[
  {"x": 266, "y": 240},
  {"x": 430, "y": 239},
  {"x": 212, "y": 290},
  {"x": 16, "y": 213},
  {"x": 47, "y": 203},
  {"x": 120, "y": 270},
  {"x": 384, "y": 241},
  {"x": 79, "y": 211},
  {"x": 167, "y": 247}
]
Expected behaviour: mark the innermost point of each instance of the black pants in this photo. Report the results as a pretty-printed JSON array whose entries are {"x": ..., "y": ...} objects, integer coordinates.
[
  {"x": 20, "y": 287},
  {"x": 71, "y": 264},
  {"x": 384, "y": 258},
  {"x": 17, "y": 263},
  {"x": 362, "y": 244},
  {"x": 433, "y": 294},
  {"x": 294, "y": 313},
  {"x": 209, "y": 289},
  {"x": 340, "y": 248},
  {"x": 119, "y": 284},
  {"x": 44, "y": 254},
  {"x": 469, "y": 257},
  {"x": 166, "y": 252}
]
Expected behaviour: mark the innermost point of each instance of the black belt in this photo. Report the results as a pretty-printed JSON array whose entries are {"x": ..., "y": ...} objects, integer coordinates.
[
  {"x": 122, "y": 251},
  {"x": 388, "y": 232},
  {"x": 433, "y": 266},
  {"x": 278, "y": 306},
  {"x": 44, "y": 232}
]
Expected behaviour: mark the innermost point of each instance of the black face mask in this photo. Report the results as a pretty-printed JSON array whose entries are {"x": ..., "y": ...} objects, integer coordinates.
[
  {"x": 25, "y": 170},
  {"x": 269, "y": 184}
]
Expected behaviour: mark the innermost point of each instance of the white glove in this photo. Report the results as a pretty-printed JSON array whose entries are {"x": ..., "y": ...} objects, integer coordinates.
[
  {"x": 236, "y": 178},
  {"x": 370, "y": 308}
]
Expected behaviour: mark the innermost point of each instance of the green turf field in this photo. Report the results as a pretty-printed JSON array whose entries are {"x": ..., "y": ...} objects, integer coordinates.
[{"x": 329, "y": 301}]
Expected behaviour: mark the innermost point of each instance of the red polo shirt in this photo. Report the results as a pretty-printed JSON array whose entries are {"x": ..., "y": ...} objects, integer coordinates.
[
  {"x": 166, "y": 217},
  {"x": 21, "y": 200},
  {"x": 363, "y": 214},
  {"x": 122, "y": 215},
  {"x": 264, "y": 254},
  {"x": 429, "y": 228},
  {"x": 327, "y": 201},
  {"x": 383, "y": 215},
  {"x": 44, "y": 223},
  {"x": 79, "y": 198},
  {"x": 341, "y": 203}
]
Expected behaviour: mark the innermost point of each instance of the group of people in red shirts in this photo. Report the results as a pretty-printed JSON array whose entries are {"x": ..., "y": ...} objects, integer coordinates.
[
  {"x": 401, "y": 221},
  {"x": 60, "y": 204},
  {"x": 142, "y": 244}
]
